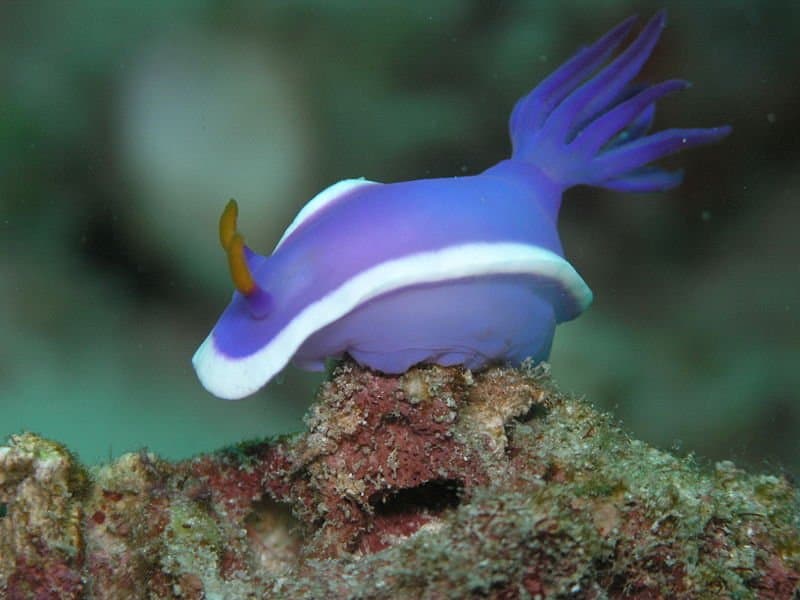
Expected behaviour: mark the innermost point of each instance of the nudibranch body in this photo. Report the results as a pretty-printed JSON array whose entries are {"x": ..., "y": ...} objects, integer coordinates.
[{"x": 463, "y": 270}]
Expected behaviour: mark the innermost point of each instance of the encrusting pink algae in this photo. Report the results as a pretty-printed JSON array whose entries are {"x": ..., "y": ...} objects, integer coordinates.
[{"x": 438, "y": 483}]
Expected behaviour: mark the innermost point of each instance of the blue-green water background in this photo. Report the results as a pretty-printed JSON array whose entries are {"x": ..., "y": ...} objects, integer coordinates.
[{"x": 124, "y": 127}]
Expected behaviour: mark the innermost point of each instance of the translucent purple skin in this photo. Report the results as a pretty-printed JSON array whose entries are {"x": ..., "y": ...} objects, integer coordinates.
[{"x": 584, "y": 124}]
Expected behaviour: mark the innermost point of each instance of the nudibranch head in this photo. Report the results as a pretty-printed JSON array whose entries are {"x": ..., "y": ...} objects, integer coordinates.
[{"x": 465, "y": 270}]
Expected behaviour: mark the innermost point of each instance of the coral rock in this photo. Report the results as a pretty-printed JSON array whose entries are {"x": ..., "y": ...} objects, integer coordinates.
[{"x": 436, "y": 483}]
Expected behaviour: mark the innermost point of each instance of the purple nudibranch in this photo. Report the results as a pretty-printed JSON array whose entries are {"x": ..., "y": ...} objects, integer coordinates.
[{"x": 462, "y": 270}]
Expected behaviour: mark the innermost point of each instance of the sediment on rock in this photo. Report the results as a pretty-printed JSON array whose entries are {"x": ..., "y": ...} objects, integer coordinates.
[{"x": 437, "y": 483}]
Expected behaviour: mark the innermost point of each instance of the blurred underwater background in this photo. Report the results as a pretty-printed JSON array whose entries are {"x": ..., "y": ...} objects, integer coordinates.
[{"x": 124, "y": 128}]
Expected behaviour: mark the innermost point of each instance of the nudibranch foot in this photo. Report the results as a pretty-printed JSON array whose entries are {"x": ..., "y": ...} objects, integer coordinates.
[{"x": 461, "y": 270}]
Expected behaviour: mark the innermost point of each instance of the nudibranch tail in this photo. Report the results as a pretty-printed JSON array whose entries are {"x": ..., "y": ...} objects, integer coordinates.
[
  {"x": 258, "y": 300},
  {"x": 582, "y": 127}
]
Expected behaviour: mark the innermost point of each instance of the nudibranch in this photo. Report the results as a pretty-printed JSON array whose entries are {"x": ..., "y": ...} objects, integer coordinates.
[{"x": 463, "y": 270}]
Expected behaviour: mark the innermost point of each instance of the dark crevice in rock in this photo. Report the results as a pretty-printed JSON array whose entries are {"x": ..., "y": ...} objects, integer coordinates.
[
  {"x": 536, "y": 411},
  {"x": 432, "y": 497}
]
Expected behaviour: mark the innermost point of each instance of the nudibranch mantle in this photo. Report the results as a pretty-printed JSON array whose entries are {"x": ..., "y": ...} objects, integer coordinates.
[
  {"x": 463, "y": 270},
  {"x": 322, "y": 200}
]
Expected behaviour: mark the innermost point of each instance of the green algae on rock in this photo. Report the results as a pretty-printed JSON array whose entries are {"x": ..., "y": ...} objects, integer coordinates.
[{"x": 439, "y": 483}]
